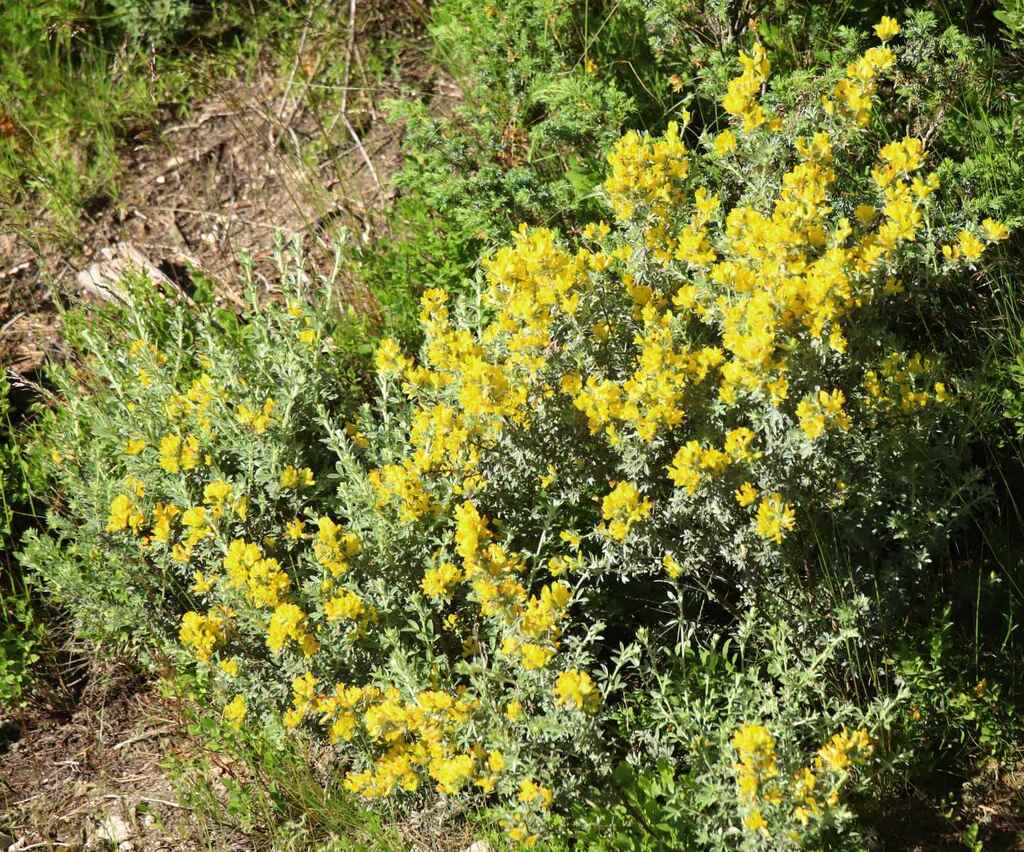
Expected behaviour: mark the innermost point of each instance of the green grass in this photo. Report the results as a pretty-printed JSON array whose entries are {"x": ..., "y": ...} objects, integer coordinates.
[{"x": 75, "y": 90}]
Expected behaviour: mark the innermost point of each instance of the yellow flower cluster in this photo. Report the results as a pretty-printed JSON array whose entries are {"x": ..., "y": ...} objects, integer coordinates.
[
  {"x": 163, "y": 515},
  {"x": 177, "y": 454},
  {"x": 438, "y": 582},
  {"x": 193, "y": 405},
  {"x": 124, "y": 514},
  {"x": 741, "y": 99},
  {"x": 577, "y": 690},
  {"x": 201, "y": 633},
  {"x": 622, "y": 508},
  {"x": 234, "y": 712},
  {"x": 296, "y": 478},
  {"x": 402, "y": 483},
  {"x": 774, "y": 517},
  {"x": 289, "y": 622},
  {"x": 303, "y": 699},
  {"x": 262, "y": 578},
  {"x": 647, "y": 170},
  {"x": 258, "y": 419},
  {"x": 194, "y": 520},
  {"x": 968, "y": 247},
  {"x": 824, "y": 409},
  {"x": 904, "y": 383},
  {"x": 345, "y": 605},
  {"x": 416, "y": 737},
  {"x": 855, "y": 93},
  {"x": 333, "y": 546},
  {"x": 692, "y": 462},
  {"x": 809, "y": 794}
]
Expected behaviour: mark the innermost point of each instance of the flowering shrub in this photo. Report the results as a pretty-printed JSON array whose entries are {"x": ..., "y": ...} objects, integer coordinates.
[
  {"x": 744, "y": 741},
  {"x": 662, "y": 425}
]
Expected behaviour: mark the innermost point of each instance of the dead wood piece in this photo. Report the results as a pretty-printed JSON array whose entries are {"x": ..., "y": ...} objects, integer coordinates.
[{"x": 103, "y": 279}]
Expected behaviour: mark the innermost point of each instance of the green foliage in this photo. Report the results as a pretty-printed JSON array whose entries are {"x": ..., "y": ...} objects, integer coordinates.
[
  {"x": 1010, "y": 13},
  {"x": 958, "y": 708},
  {"x": 546, "y": 87},
  {"x": 21, "y": 635},
  {"x": 679, "y": 788},
  {"x": 21, "y": 631},
  {"x": 117, "y": 594},
  {"x": 278, "y": 794}
]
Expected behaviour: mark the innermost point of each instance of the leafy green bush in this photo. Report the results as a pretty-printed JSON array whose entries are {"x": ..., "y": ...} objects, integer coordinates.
[
  {"x": 617, "y": 446},
  {"x": 314, "y": 368},
  {"x": 683, "y": 762},
  {"x": 547, "y": 86}
]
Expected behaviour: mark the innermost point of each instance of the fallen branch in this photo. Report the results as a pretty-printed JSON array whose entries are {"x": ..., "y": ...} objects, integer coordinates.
[{"x": 157, "y": 732}]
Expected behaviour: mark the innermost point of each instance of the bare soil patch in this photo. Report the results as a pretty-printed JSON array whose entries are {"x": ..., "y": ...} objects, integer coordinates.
[{"x": 93, "y": 780}]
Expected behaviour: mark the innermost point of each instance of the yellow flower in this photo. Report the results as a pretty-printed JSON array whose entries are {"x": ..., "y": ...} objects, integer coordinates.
[
  {"x": 124, "y": 515},
  {"x": 865, "y": 214},
  {"x": 754, "y": 820},
  {"x": 234, "y": 712},
  {"x": 229, "y": 666},
  {"x": 134, "y": 446},
  {"x": 437, "y": 582},
  {"x": 530, "y": 792},
  {"x": 293, "y": 529},
  {"x": 535, "y": 656},
  {"x": 202, "y": 584},
  {"x": 169, "y": 446},
  {"x": 548, "y": 478},
  {"x": 347, "y": 605},
  {"x": 577, "y": 690},
  {"x": 496, "y": 761},
  {"x": 216, "y": 492},
  {"x": 162, "y": 517},
  {"x": 135, "y": 485},
  {"x": 513, "y": 711},
  {"x": 995, "y": 231},
  {"x": 194, "y": 517},
  {"x": 886, "y": 28},
  {"x": 452, "y": 773},
  {"x": 389, "y": 359},
  {"x": 357, "y": 437},
  {"x": 969, "y": 245},
  {"x": 672, "y": 568},
  {"x": 287, "y": 622},
  {"x": 292, "y": 477},
  {"x": 307, "y": 336},
  {"x": 741, "y": 97},
  {"x": 623, "y": 507},
  {"x": 746, "y": 494},
  {"x": 571, "y": 538},
  {"x": 201, "y": 633},
  {"x": 190, "y": 453},
  {"x": 774, "y": 517},
  {"x": 725, "y": 143}
]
